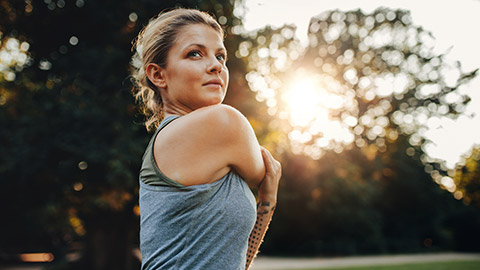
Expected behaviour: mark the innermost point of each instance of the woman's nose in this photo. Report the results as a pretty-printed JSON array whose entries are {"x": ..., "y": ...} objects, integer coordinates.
[{"x": 215, "y": 66}]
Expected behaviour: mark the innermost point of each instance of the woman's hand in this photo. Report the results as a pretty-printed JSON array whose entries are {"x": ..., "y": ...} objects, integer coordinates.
[{"x": 268, "y": 188}]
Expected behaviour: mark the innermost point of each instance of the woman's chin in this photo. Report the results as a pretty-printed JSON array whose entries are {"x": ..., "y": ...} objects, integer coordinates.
[
  {"x": 215, "y": 101},
  {"x": 207, "y": 104}
]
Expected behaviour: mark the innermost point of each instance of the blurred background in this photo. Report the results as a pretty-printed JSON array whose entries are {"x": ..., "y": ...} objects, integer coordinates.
[{"x": 370, "y": 115}]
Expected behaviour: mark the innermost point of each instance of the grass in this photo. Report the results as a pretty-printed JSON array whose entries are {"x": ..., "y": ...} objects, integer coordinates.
[{"x": 451, "y": 265}]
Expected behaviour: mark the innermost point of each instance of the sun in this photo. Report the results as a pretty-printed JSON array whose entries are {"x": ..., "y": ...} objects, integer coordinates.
[
  {"x": 307, "y": 101},
  {"x": 308, "y": 104},
  {"x": 316, "y": 112},
  {"x": 302, "y": 99}
]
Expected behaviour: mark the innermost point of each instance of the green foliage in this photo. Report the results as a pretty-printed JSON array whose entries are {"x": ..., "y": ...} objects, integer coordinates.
[
  {"x": 465, "y": 223},
  {"x": 467, "y": 178}
]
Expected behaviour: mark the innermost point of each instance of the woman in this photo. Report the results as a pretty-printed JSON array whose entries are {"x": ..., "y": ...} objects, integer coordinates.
[{"x": 197, "y": 210}]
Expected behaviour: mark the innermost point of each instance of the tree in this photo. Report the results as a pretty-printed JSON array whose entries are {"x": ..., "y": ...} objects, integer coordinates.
[
  {"x": 467, "y": 179},
  {"x": 467, "y": 189},
  {"x": 356, "y": 99},
  {"x": 362, "y": 79},
  {"x": 71, "y": 138}
]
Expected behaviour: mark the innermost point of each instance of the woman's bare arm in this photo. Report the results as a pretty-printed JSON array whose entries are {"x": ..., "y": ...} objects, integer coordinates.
[
  {"x": 264, "y": 216},
  {"x": 244, "y": 151},
  {"x": 267, "y": 200},
  {"x": 211, "y": 140}
]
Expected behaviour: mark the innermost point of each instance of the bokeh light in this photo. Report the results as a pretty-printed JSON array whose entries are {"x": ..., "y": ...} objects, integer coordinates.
[{"x": 13, "y": 57}]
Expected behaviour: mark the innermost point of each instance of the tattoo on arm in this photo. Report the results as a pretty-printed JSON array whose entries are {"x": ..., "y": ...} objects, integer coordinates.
[
  {"x": 264, "y": 216},
  {"x": 262, "y": 203},
  {"x": 263, "y": 208}
]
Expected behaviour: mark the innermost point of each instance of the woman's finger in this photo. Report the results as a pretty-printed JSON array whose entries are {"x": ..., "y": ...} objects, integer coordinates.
[{"x": 268, "y": 160}]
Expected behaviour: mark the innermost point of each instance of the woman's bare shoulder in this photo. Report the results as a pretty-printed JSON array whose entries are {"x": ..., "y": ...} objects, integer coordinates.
[
  {"x": 211, "y": 140},
  {"x": 220, "y": 119},
  {"x": 230, "y": 130},
  {"x": 219, "y": 114}
]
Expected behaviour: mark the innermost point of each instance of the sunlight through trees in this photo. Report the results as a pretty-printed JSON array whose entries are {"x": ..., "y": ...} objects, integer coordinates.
[{"x": 363, "y": 79}]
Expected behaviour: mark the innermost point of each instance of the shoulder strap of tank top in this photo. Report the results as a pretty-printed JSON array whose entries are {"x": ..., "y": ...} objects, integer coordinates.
[
  {"x": 149, "y": 160},
  {"x": 166, "y": 121}
]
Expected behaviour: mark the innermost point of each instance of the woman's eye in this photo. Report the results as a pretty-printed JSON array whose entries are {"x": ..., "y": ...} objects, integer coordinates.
[
  {"x": 221, "y": 57},
  {"x": 194, "y": 54}
]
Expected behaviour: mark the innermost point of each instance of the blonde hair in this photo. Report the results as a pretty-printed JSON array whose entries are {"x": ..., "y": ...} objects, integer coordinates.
[{"x": 152, "y": 45}]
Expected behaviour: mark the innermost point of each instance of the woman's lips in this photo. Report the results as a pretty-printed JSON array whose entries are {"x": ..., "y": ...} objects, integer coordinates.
[{"x": 214, "y": 82}]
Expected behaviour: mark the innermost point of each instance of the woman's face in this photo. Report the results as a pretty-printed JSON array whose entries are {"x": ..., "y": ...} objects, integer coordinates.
[{"x": 195, "y": 75}]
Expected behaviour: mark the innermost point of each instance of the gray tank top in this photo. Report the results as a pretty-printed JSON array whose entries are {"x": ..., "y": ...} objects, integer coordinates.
[{"x": 193, "y": 227}]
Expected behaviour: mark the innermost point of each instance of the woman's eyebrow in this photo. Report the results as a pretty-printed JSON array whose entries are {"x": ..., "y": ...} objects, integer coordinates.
[
  {"x": 203, "y": 47},
  {"x": 196, "y": 45}
]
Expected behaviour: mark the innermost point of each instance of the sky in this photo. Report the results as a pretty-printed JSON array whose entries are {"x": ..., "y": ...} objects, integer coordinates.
[{"x": 454, "y": 24}]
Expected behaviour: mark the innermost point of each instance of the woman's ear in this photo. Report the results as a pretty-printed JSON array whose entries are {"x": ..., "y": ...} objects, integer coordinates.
[{"x": 155, "y": 74}]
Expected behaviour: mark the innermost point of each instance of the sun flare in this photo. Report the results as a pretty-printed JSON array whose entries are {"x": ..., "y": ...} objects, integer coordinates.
[
  {"x": 302, "y": 100},
  {"x": 318, "y": 112},
  {"x": 308, "y": 105}
]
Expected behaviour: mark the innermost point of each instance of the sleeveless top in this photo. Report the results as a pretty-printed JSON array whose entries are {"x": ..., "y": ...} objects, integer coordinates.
[{"x": 193, "y": 227}]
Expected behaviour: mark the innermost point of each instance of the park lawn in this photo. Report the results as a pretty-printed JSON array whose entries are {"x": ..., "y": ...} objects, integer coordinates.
[{"x": 451, "y": 265}]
